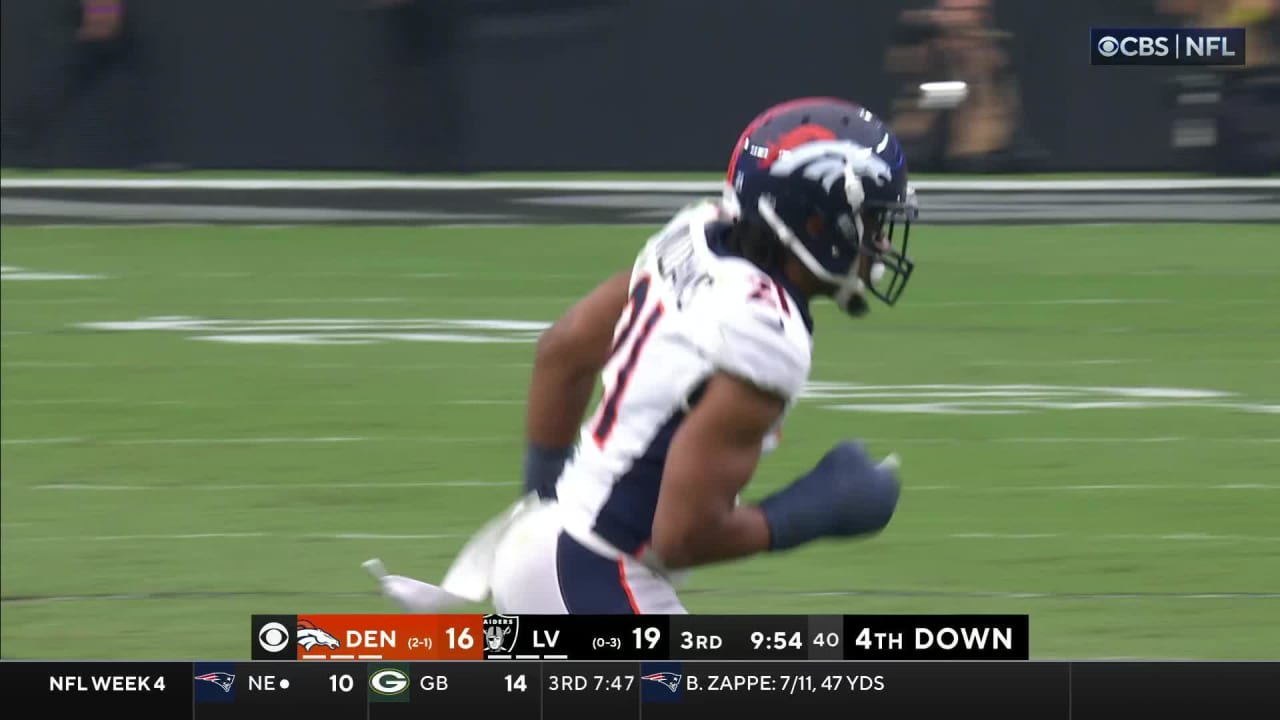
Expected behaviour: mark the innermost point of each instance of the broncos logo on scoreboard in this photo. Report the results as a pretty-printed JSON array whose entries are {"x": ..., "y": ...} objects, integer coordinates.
[{"x": 310, "y": 636}]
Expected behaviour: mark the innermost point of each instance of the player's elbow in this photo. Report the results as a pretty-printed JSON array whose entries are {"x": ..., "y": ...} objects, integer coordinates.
[
  {"x": 554, "y": 350},
  {"x": 675, "y": 543},
  {"x": 564, "y": 347}
]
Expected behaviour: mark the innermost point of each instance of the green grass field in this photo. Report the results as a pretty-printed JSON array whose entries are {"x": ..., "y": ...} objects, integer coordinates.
[{"x": 1087, "y": 418}]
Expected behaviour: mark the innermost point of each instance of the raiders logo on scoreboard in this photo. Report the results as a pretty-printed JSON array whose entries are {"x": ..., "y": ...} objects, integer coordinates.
[{"x": 500, "y": 633}]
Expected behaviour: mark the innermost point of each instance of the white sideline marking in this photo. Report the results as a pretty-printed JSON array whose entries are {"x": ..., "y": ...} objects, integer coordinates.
[
  {"x": 54, "y": 365},
  {"x": 444, "y": 439},
  {"x": 182, "y": 441},
  {"x": 1140, "y": 537},
  {"x": 233, "y": 536},
  {"x": 693, "y": 186},
  {"x": 481, "y": 440},
  {"x": 206, "y": 487}
]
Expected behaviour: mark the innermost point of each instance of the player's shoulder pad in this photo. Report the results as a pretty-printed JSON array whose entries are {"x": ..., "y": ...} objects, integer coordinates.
[{"x": 757, "y": 336}]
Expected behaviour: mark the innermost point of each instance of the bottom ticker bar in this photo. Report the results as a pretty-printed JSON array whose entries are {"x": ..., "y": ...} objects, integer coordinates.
[{"x": 630, "y": 690}]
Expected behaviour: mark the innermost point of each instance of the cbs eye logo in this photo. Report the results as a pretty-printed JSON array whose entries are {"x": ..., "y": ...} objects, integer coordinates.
[
  {"x": 273, "y": 637},
  {"x": 1108, "y": 46},
  {"x": 388, "y": 681}
]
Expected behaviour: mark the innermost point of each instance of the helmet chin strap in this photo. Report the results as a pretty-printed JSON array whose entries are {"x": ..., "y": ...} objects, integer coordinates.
[{"x": 850, "y": 293}]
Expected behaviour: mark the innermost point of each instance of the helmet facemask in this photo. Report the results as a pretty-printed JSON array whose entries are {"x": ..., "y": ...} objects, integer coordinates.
[
  {"x": 867, "y": 235},
  {"x": 883, "y": 268}
]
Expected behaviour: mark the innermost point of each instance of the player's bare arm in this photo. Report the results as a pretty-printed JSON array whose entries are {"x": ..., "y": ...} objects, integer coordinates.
[
  {"x": 569, "y": 357},
  {"x": 712, "y": 457}
]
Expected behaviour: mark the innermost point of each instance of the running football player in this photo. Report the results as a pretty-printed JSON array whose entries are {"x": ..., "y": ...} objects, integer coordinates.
[{"x": 702, "y": 347}]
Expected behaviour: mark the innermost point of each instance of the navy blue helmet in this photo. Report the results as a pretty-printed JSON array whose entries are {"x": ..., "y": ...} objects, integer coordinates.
[{"x": 830, "y": 179}]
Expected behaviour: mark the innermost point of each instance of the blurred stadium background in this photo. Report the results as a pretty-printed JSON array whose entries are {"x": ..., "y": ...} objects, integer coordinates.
[{"x": 272, "y": 272}]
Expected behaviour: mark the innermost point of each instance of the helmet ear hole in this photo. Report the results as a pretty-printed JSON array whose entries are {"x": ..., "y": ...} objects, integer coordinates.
[{"x": 814, "y": 226}]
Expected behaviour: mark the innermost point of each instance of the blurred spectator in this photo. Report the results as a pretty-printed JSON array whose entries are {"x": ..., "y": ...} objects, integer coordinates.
[
  {"x": 90, "y": 39},
  {"x": 1258, "y": 17},
  {"x": 978, "y": 130},
  {"x": 1232, "y": 111},
  {"x": 423, "y": 83}
]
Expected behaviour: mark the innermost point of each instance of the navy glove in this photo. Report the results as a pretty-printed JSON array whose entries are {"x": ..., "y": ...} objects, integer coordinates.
[
  {"x": 845, "y": 494},
  {"x": 542, "y": 468}
]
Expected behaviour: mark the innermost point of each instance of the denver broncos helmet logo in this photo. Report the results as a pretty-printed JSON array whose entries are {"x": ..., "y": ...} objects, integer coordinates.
[
  {"x": 310, "y": 636},
  {"x": 794, "y": 138}
]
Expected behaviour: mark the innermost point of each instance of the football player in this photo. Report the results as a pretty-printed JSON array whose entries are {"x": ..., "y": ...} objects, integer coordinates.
[{"x": 702, "y": 347}]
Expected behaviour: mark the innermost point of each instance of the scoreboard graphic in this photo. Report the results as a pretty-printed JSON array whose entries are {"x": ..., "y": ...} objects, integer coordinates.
[{"x": 367, "y": 667}]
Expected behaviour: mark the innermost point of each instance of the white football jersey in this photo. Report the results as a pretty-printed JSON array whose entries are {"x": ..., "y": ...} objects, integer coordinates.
[{"x": 692, "y": 313}]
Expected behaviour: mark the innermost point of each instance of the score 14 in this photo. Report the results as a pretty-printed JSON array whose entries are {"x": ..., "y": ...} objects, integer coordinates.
[{"x": 516, "y": 683}]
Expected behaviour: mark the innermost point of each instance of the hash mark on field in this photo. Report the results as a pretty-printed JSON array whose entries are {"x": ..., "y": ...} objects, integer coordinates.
[
  {"x": 1112, "y": 440},
  {"x": 9, "y": 272},
  {"x": 377, "y": 536},
  {"x": 318, "y": 300},
  {"x": 50, "y": 364},
  {"x": 486, "y": 402},
  {"x": 132, "y": 538},
  {"x": 65, "y": 301},
  {"x": 236, "y": 441},
  {"x": 1055, "y": 363},
  {"x": 1063, "y": 301},
  {"x": 1117, "y": 536}
]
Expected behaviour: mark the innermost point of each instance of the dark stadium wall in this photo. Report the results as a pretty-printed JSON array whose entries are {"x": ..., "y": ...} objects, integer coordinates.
[{"x": 547, "y": 85}]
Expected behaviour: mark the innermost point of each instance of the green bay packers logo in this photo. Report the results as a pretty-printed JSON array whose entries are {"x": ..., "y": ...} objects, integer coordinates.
[{"x": 388, "y": 684}]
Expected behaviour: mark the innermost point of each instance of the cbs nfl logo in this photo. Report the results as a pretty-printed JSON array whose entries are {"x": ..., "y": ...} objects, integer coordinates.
[{"x": 1166, "y": 46}]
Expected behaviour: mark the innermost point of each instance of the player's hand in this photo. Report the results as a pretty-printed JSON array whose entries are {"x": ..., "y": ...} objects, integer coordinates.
[
  {"x": 846, "y": 494},
  {"x": 542, "y": 468}
]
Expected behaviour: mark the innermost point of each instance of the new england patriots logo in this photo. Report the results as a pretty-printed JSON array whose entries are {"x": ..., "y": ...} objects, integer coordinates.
[
  {"x": 669, "y": 679},
  {"x": 221, "y": 679}
]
